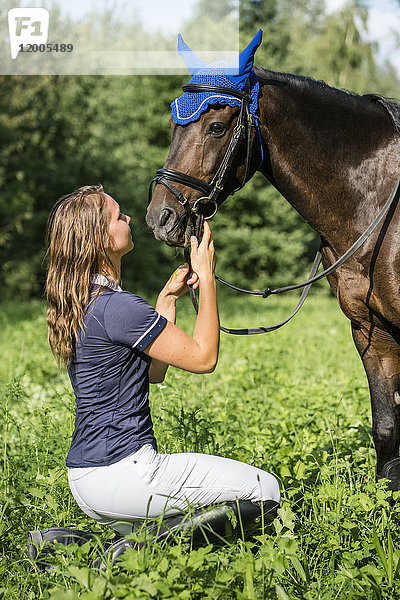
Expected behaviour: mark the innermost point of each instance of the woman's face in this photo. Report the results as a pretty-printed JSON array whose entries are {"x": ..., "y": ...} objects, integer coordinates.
[{"x": 120, "y": 231}]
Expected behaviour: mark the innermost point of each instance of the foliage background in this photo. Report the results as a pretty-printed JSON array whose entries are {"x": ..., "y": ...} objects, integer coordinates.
[
  {"x": 294, "y": 403},
  {"x": 60, "y": 132}
]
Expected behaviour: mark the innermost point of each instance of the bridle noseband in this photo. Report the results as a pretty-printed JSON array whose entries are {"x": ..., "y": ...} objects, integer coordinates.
[{"x": 244, "y": 129}]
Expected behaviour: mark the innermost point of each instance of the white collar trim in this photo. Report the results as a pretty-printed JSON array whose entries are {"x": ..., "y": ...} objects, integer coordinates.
[{"x": 103, "y": 281}]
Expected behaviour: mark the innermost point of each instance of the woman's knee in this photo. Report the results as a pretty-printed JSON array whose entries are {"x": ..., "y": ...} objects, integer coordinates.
[{"x": 269, "y": 487}]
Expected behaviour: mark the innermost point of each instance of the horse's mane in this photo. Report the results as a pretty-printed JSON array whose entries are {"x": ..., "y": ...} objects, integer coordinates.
[
  {"x": 392, "y": 107},
  {"x": 390, "y": 104}
]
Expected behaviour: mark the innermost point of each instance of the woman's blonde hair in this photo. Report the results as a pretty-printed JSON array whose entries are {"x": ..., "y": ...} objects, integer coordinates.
[{"x": 77, "y": 242}]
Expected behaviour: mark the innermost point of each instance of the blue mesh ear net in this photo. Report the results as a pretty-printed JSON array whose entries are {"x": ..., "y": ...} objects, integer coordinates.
[{"x": 190, "y": 106}]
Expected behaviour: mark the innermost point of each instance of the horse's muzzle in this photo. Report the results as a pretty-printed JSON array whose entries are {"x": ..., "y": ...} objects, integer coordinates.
[{"x": 167, "y": 225}]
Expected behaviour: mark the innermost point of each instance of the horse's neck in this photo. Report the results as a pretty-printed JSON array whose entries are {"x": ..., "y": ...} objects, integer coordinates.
[{"x": 321, "y": 144}]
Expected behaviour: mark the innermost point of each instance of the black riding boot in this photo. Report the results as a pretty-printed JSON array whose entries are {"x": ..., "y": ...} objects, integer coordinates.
[
  {"x": 219, "y": 523},
  {"x": 60, "y": 535},
  {"x": 207, "y": 525},
  {"x": 204, "y": 526}
]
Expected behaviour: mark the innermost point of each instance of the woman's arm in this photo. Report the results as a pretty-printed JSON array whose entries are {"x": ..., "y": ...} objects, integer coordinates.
[
  {"x": 175, "y": 287},
  {"x": 197, "y": 354},
  {"x": 166, "y": 306}
]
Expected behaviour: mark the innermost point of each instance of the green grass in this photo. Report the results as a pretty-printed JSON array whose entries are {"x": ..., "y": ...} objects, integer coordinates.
[{"x": 294, "y": 402}]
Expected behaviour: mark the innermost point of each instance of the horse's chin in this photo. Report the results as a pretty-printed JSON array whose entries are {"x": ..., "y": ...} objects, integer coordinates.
[{"x": 179, "y": 237}]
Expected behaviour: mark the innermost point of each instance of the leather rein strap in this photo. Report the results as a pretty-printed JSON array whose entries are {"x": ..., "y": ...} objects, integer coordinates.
[{"x": 312, "y": 277}]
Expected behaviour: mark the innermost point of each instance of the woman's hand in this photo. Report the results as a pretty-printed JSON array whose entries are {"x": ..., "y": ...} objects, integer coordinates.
[
  {"x": 197, "y": 354},
  {"x": 203, "y": 265},
  {"x": 177, "y": 284},
  {"x": 203, "y": 255}
]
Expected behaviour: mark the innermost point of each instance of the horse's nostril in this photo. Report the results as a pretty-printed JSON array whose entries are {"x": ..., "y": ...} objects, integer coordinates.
[{"x": 165, "y": 216}]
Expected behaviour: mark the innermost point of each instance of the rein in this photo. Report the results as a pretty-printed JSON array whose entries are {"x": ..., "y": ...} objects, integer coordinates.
[
  {"x": 195, "y": 214},
  {"x": 312, "y": 278}
]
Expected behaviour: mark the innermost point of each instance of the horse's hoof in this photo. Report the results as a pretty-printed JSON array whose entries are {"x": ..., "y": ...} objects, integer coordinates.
[{"x": 391, "y": 471}]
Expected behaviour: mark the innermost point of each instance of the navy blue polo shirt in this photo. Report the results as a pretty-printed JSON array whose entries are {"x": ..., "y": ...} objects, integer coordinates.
[{"x": 109, "y": 375}]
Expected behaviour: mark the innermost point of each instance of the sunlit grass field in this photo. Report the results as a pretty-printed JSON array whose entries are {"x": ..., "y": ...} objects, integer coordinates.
[{"x": 294, "y": 402}]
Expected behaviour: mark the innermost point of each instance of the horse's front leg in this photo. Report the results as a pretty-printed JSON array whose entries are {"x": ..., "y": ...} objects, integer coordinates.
[{"x": 381, "y": 358}]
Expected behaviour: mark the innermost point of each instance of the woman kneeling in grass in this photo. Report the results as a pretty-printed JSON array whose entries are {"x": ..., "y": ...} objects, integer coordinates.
[{"x": 114, "y": 344}]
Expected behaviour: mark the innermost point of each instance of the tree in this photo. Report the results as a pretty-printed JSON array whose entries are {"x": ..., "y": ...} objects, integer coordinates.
[{"x": 59, "y": 133}]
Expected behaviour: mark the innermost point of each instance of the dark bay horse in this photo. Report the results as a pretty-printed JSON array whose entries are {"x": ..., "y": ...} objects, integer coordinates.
[{"x": 335, "y": 156}]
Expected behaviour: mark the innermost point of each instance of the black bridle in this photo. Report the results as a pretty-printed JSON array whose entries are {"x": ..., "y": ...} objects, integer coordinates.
[
  {"x": 208, "y": 204},
  {"x": 195, "y": 213}
]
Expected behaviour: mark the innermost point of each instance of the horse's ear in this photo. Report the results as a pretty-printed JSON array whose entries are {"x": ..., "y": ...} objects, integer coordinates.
[
  {"x": 239, "y": 69},
  {"x": 193, "y": 62},
  {"x": 246, "y": 57}
]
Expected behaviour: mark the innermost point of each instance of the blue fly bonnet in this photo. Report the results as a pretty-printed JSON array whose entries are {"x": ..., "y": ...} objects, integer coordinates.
[
  {"x": 190, "y": 106},
  {"x": 211, "y": 84}
]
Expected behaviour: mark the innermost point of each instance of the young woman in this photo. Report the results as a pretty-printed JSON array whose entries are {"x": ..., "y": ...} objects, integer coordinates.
[{"x": 113, "y": 344}]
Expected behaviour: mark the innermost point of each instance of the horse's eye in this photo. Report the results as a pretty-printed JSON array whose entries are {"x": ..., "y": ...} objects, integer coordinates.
[{"x": 217, "y": 128}]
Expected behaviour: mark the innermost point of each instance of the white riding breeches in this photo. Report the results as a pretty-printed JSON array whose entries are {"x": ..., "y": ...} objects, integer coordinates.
[{"x": 147, "y": 484}]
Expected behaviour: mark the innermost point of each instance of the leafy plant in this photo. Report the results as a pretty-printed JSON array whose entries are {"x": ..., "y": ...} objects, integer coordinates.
[{"x": 294, "y": 402}]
